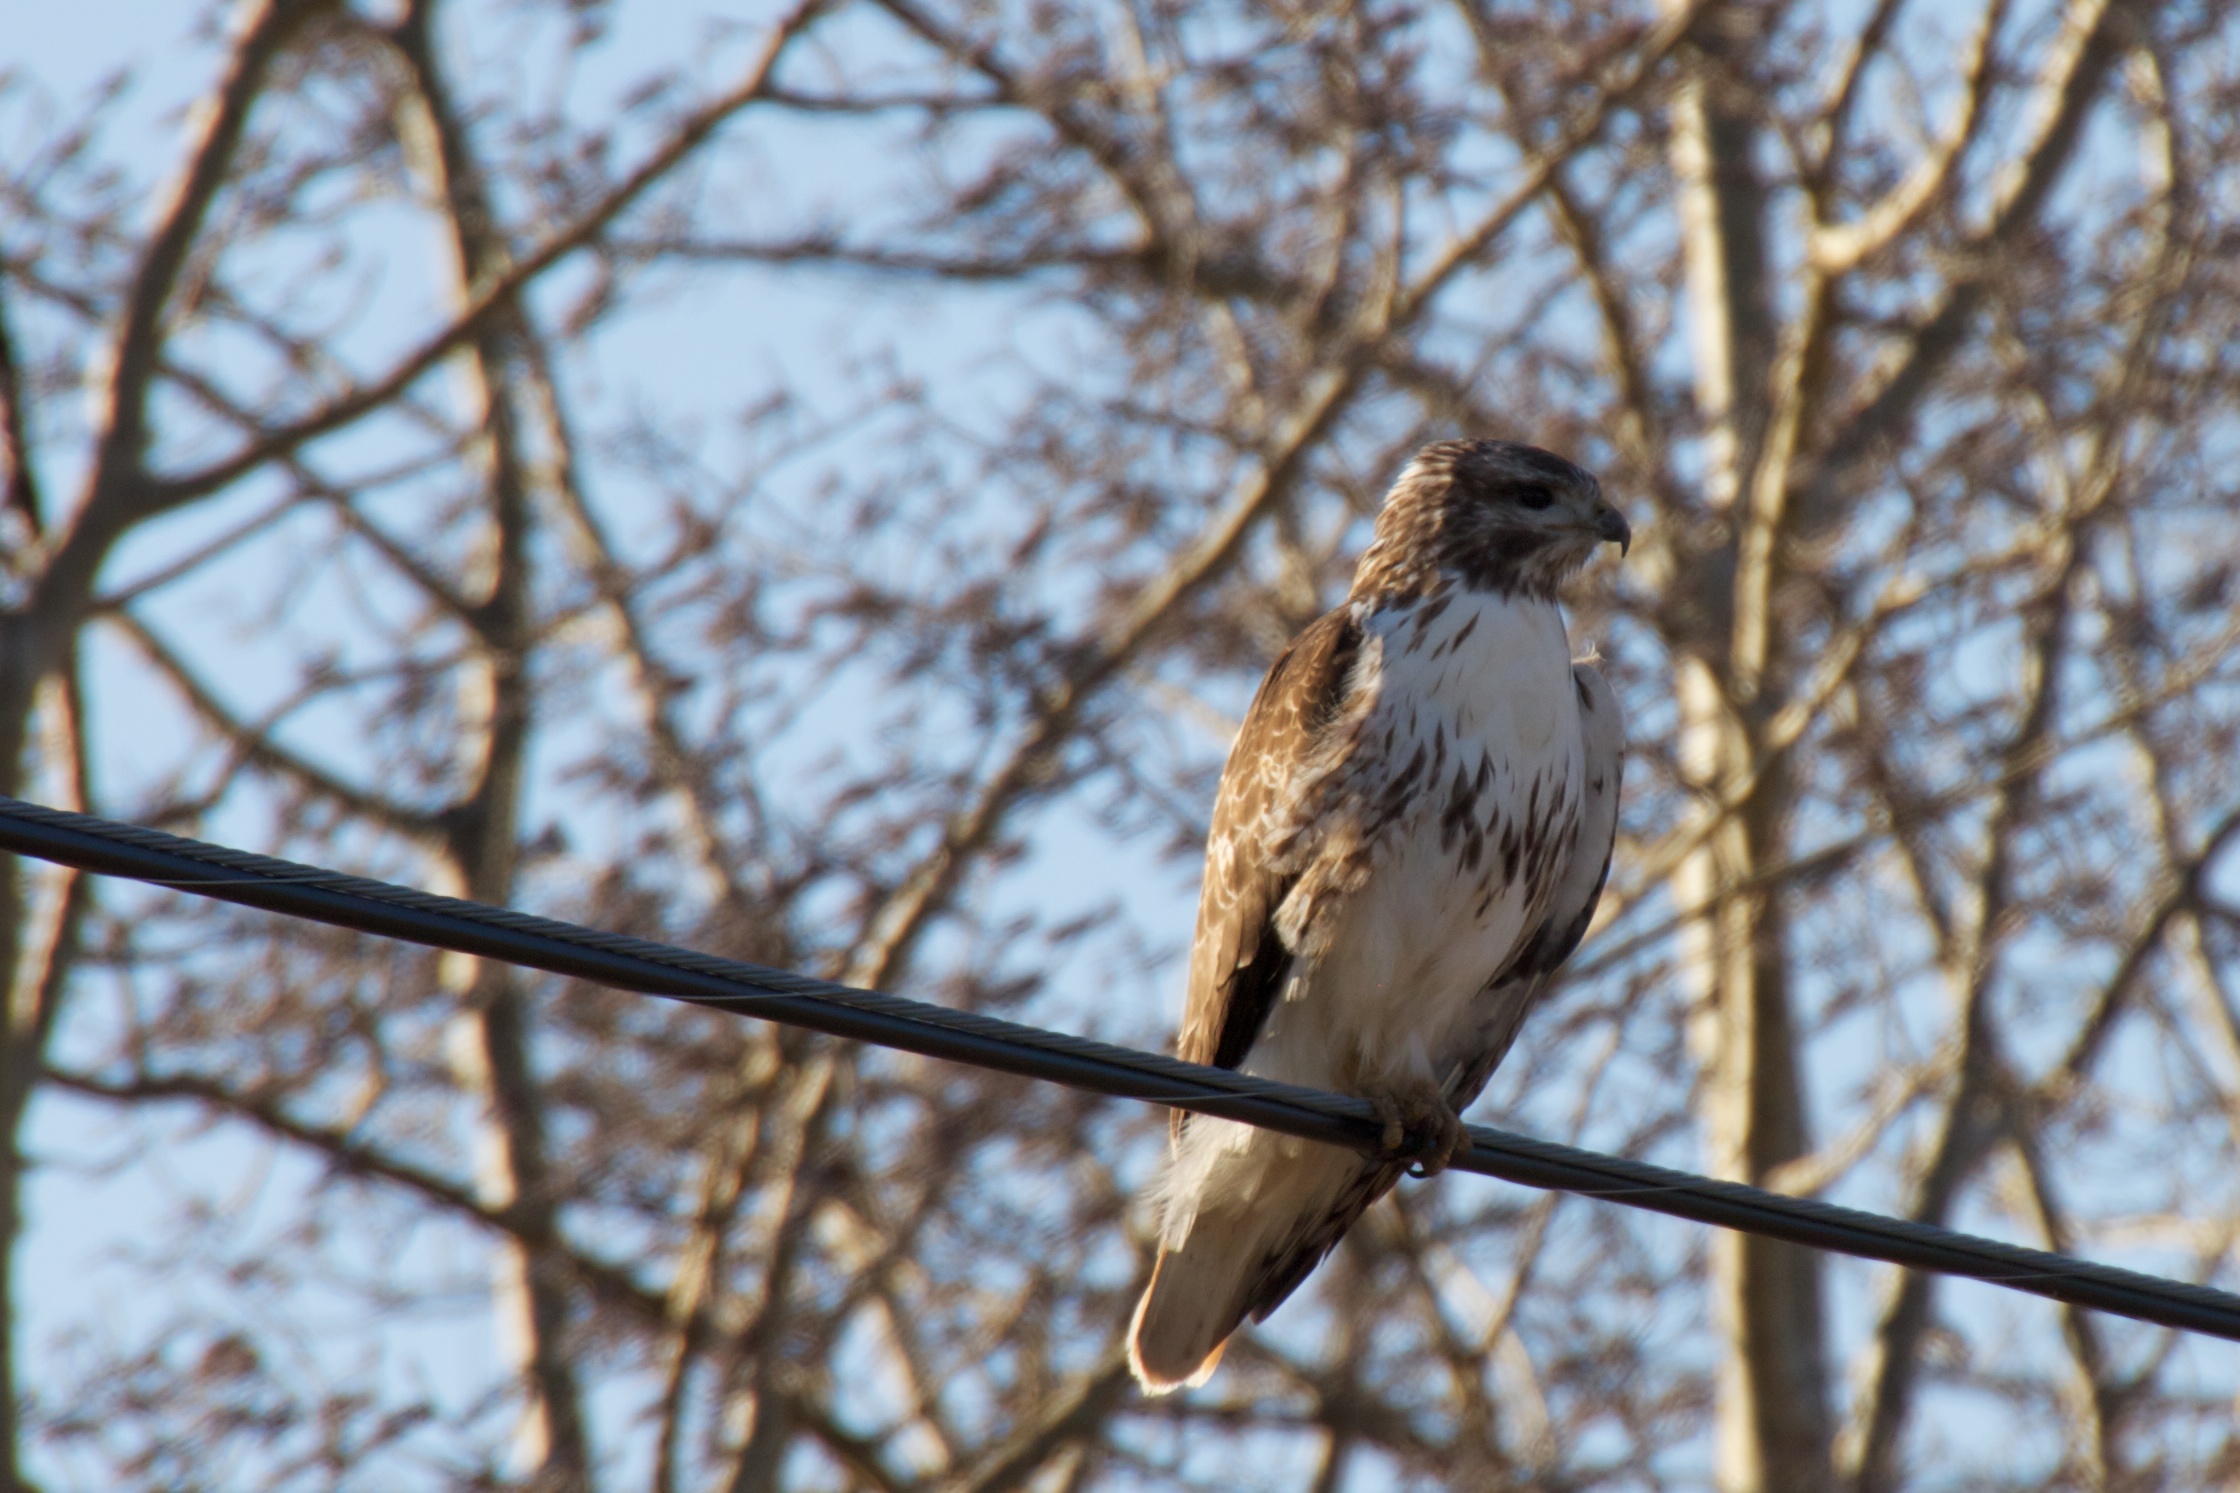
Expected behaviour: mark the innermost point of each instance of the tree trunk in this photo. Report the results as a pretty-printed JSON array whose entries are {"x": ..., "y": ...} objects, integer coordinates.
[
  {"x": 493, "y": 1051},
  {"x": 1772, "y": 1417}
]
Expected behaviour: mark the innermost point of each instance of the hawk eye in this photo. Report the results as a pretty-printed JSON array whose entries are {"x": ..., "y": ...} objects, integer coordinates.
[{"x": 1535, "y": 495}]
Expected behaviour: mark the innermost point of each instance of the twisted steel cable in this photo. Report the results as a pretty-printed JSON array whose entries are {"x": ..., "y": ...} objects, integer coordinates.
[{"x": 633, "y": 964}]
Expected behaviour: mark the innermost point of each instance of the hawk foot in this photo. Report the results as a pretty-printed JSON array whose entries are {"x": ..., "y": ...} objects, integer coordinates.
[{"x": 1420, "y": 1127}]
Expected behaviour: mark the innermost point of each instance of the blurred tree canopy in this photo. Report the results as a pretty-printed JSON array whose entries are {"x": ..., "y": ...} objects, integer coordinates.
[{"x": 819, "y": 485}]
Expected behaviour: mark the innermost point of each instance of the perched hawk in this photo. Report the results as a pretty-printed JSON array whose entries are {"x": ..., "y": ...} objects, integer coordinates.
[{"x": 1410, "y": 837}]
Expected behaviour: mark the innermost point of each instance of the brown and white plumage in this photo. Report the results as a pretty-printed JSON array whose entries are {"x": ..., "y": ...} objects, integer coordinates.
[{"x": 1411, "y": 835}]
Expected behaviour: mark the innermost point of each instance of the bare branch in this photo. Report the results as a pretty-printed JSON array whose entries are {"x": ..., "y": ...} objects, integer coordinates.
[
  {"x": 350, "y": 1154},
  {"x": 2095, "y": 35},
  {"x": 1837, "y": 248},
  {"x": 253, "y": 744},
  {"x": 492, "y": 299}
]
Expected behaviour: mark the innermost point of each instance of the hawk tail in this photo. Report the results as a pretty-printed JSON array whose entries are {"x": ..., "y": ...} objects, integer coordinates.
[
  {"x": 1247, "y": 1257},
  {"x": 1181, "y": 1325}
]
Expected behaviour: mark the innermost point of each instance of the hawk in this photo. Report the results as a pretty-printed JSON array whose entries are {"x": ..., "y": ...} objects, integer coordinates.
[{"x": 1411, "y": 835}]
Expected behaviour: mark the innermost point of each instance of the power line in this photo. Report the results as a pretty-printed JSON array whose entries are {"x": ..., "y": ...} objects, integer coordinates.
[{"x": 635, "y": 964}]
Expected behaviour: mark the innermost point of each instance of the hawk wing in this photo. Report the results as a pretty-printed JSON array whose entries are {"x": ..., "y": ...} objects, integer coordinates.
[{"x": 1238, "y": 961}]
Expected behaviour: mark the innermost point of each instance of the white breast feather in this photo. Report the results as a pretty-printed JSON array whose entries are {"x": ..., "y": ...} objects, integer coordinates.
[{"x": 1483, "y": 689}]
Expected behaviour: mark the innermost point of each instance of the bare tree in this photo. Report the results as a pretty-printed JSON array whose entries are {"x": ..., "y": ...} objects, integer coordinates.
[{"x": 821, "y": 487}]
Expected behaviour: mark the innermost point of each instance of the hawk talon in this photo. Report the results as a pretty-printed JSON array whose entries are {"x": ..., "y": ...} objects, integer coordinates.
[{"x": 1420, "y": 1128}]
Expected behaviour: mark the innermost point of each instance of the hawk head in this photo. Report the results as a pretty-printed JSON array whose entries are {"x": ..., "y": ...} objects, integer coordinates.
[{"x": 1493, "y": 515}]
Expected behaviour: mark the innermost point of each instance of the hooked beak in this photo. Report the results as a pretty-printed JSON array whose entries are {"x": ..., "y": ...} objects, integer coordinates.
[{"x": 1610, "y": 524}]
